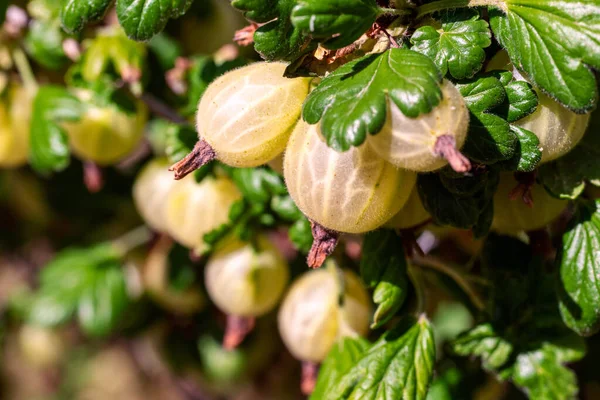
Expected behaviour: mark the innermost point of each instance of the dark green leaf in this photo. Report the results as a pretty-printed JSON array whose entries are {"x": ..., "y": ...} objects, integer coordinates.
[
  {"x": 458, "y": 46},
  {"x": 527, "y": 155},
  {"x": 521, "y": 99},
  {"x": 397, "y": 366},
  {"x": 566, "y": 176},
  {"x": 445, "y": 207},
  {"x": 579, "y": 262},
  {"x": 279, "y": 39},
  {"x": 344, "y": 354},
  {"x": 383, "y": 267},
  {"x": 75, "y": 14},
  {"x": 3, "y": 8},
  {"x": 352, "y": 100},
  {"x": 103, "y": 301},
  {"x": 490, "y": 139},
  {"x": 556, "y": 43},
  {"x": 483, "y": 341},
  {"x": 142, "y": 19},
  {"x": 166, "y": 49},
  {"x": 257, "y": 10},
  {"x": 44, "y": 44},
  {"x": 322, "y": 19},
  {"x": 49, "y": 145}
]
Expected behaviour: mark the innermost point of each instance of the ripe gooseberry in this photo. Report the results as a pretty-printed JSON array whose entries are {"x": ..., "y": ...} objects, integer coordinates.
[
  {"x": 245, "y": 117},
  {"x": 245, "y": 280},
  {"x": 321, "y": 307},
  {"x": 151, "y": 191},
  {"x": 105, "y": 134},
  {"x": 410, "y": 215},
  {"x": 428, "y": 142},
  {"x": 557, "y": 128},
  {"x": 514, "y": 215},
  {"x": 355, "y": 191},
  {"x": 15, "y": 118},
  {"x": 194, "y": 209}
]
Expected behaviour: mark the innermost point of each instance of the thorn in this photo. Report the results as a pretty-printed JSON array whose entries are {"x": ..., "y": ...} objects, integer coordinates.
[
  {"x": 324, "y": 242},
  {"x": 201, "y": 155},
  {"x": 445, "y": 146}
]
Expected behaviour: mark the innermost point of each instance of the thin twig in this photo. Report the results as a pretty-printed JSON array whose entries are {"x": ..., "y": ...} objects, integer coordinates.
[
  {"x": 438, "y": 265},
  {"x": 160, "y": 108}
]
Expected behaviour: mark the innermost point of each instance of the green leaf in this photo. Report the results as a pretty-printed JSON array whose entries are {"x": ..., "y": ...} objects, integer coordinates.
[
  {"x": 3, "y": 8},
  {"x": 397, "y": 366},
  {"x": 64, "y": 280},
  {"x": 527, "y": 154},
  {"x": 75, "y": 14},
  {"x": 483, "y": 341},
  {"x": 489, "y": 139},
  {"x": 566, "y": 176},
  {"x": 258, "y": 185},
  {"x": 579, "y": 261},
  {"x": 279, "y": 39},
  {"x": 179, "y": 141},
  {"x": 383, "y": 267},
  {"x": 257, "y": 10},
  {"x": 556, "y": 43},
  {"x": 322, "y": 19},
  {"x": 521, "y": 99},
  {"x": 458, "y": 46},
  {"x": 352, "y": 100},
  {"x": 142, "y": 19},
  {"x": 344, "y": 354},
  {"x": 44, "y": 44},
  {"x": 49, "y": 149},
  {"x": 103, "y": 301},
  {"x": 300, "y": 234},
  {"x": 541, "y": 375},
  {"x": 445, "y": 207}
]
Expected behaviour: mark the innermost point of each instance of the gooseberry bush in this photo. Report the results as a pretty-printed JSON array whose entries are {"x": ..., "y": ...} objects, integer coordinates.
[{"x": 348, "y": 199}]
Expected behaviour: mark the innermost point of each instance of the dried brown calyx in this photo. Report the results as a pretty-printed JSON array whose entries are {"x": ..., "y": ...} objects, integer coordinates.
[
  {"x": 445, "y": 147},
  {"x": 524, "y": 188},
  {"x": 202, "y": 154},
  {"x": 324, "y": 242},
  {"x": 236, "y": 330}
]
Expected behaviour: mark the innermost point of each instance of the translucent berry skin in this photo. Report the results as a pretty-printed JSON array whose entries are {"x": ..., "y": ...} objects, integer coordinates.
[
  {"x": 512, "y": 216},
  {"x": 248, "y": 114},
  {"x": 15, "y": 121},
  {"x": 105, "y": 135},
  {"x": 412, "y": 214},
  {"x": 354, "y": 191},
  {"x": 409, "y": 142},
  {"x": 151, "y": 192},
  {"x": 311, "y": 318},
  {"x": 156, "y": 282},
  {"x": 194, "y": 209},
  {"x": 246, "y": 281},
  {"x": 558, "y": 128}
]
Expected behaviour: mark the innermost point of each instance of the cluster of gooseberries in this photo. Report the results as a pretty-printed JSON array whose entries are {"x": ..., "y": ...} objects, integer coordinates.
[{"x": 252, "y": 116}]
